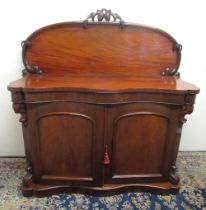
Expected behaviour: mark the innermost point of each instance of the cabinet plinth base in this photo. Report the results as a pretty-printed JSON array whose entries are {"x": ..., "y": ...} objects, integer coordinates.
[{"x": 41, "y": 190}]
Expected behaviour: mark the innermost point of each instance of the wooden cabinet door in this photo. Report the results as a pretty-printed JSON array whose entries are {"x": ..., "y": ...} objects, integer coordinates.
[
  {"x": 67, "y": 142},
  {"x": 141, "y": 140}
]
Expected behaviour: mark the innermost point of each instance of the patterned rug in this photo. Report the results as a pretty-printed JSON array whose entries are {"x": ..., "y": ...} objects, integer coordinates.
[{"x": 192, "y": 169}]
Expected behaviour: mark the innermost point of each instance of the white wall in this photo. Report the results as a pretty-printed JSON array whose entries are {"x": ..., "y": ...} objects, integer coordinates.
[{"x": 185, "y": 20}]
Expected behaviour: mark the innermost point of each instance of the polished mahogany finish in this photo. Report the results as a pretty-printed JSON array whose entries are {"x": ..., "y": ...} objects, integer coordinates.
[
  {"x": 102, "y": 107},
  {"x": 103, "y": 48}
]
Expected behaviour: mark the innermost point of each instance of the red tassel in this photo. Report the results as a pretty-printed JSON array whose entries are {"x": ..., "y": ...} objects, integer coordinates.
[{"x": 106, "y": 160}]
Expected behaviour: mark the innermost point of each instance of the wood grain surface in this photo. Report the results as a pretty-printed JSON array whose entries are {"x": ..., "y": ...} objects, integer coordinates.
[{"x": 104, "y": 48}]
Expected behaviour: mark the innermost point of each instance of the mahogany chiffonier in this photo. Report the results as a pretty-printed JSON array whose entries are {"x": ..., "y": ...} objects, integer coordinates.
[{"x": 102, "y": 107}]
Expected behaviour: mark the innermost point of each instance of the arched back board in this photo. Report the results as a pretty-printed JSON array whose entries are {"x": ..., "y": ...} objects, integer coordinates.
[{"x": 101, "y": 47}]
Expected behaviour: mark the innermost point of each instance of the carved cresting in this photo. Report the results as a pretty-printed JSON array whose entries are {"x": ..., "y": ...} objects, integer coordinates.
[
  {"x": 19, "y": 106},
  {"x": 28, "y": 69},
  {"x": 103, "y": 15}
]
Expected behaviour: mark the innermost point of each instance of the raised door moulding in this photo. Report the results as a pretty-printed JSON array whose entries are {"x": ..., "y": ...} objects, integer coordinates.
[{"x": 114, "y": 140}]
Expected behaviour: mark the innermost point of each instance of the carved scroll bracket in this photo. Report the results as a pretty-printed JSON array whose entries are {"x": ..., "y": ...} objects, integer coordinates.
[
  {"x": 21, "y": 109},
  {"x": 28, "y": 68},
  {"x": 174, "y": 71},
  {"x": 173, "y": 176},
  {"x": 19, "y": 106},
  {"x": 31, "y": 70},
  {"x": 27, "y": 181},
  {"x": 103, "y": 15},
  {"x": 187, "y": 108}
]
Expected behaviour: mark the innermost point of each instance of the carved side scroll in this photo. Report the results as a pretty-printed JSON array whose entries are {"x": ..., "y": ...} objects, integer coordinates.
[
  {"x": 28, "y": 69},
  {"x": 19, "y": 106},
  {"x": 103, "y": 15},
  {"x": 28, "y": 178},
  {"x": 187, "y": 108},
  {"x": 174, "y": 71},
  {"x": 27, "y": 181},
  {"x": 173, "y": 176}
]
